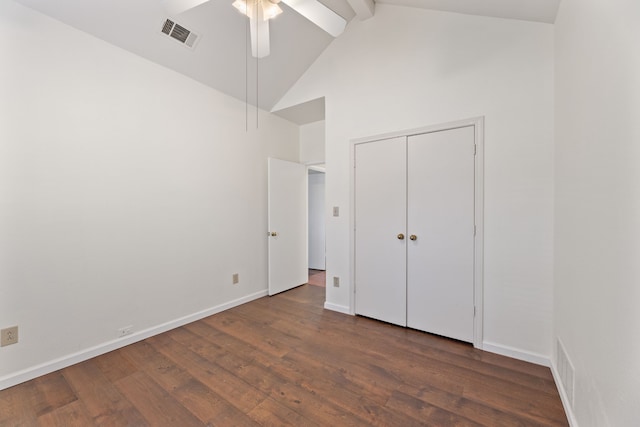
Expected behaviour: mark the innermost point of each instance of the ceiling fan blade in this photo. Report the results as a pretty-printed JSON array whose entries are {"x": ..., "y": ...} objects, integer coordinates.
[
  {"x": 319, "y": 14},
  {"x": 259, "y": 36},
  {"x": 176, "y": 7}
]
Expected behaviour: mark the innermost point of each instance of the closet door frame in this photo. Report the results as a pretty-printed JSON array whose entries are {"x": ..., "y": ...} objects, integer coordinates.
[{"x": 478, "y": 273}]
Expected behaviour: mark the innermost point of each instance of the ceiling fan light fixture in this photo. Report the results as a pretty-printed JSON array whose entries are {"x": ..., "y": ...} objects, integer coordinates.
[
  {"x": 270, "y": 10},
  {"x": 241, "y": 5}
]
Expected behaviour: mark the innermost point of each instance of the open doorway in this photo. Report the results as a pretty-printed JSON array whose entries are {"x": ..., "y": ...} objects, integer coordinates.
[
  {"x": 310, "y": 116},
  {"x": 317, "y": 220}
]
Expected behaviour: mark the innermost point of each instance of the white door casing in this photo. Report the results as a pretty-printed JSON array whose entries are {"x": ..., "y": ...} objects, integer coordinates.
[
  {"x": 474, "y": 190},
  {"x": 287, "y": 222}
]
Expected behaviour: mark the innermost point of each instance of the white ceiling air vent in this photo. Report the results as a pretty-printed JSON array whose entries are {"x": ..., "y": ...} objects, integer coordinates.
[{"x": 180, "y": 34}]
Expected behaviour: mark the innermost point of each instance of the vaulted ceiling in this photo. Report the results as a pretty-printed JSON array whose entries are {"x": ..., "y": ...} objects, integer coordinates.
[{"x": 221, "y": 59}]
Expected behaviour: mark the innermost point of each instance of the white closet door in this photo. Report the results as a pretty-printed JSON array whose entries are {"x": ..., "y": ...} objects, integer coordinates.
[
  {"x": 380, "y": 216},
  {"x": 441, "y": 216}
]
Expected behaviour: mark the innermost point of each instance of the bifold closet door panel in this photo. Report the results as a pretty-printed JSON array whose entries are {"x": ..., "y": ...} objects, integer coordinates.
[
  {"x": 440, "y": 214},
  {"x": 380, "y": 219}
]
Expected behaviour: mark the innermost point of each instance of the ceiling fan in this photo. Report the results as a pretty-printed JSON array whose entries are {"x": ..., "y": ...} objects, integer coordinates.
[{"x": 260, "y": 12}]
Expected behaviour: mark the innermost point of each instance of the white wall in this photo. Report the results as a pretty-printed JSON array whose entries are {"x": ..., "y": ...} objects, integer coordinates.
[
  {"x": 129, "y": 194},
  {"x": 407, "y": 68},
  {"x": 316, "y": 221},
  {"x": 312, "y": 143},
  {"x": 597, "y": 229}
]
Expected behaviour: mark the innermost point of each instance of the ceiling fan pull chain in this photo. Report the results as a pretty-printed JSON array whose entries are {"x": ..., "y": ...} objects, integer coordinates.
[
  {"x": 246, "y": 77},
  {"x": 257, "y": 60}
]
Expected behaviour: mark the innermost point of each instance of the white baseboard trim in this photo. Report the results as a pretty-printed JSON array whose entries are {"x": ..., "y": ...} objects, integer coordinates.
[
  {"x": 571, "y": 417},
  {"x": 81, "y": 356},
  {"x": 339, "y": 308},
  {"x": 515, "y": 353}
]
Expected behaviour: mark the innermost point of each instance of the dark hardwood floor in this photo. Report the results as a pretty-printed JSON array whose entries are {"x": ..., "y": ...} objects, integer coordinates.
[{"x": 283, "y": 360}]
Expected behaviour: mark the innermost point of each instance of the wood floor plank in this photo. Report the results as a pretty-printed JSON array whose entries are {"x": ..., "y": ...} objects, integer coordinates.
[
  {"x": 271, "y": 413},
  {"x": 236, "y": 391},
  {"x": 412, "y": 400},
  {"x": 196, "y": 397},
  {"x": 427, "y": 413},
  {"x": 164, "y": 371},
  {"x": 254, "y": 334},
  {"x": 24, "y": 403},
  {"x": 16, "y": 407},
  {"x": 71, "y": 415},
  {"x": 346, "y": 377},
  {"x": 340, "y": 391},
  {"x": 284, "y": 360},
  {"x": 154, "y": 403},
  {"x": 115, "y": 366},
  {"x": 103, "y": 401},
  {"x": 209, "y": 406},
  {"x": 53, "y": 392}
]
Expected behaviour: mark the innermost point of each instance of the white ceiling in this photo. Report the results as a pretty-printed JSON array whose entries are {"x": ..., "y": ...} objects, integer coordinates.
[
  {"x": 220, "y": 61},
  {"x": 527, "y": 10}
]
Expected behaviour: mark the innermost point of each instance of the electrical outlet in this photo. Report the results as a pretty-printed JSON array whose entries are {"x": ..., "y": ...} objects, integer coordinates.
[
  {"x": 336, "y": 282},
  {"x": 123, "y": 332},
  {"x": 9, "y": 336},
  {"x": 236, "y": 278}
]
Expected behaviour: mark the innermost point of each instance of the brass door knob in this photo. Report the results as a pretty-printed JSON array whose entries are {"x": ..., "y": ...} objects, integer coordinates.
[
  {"x": 400, "y": 236},
  {"x": 413, "y": 237},
  {"x": 274, "y": 234}
]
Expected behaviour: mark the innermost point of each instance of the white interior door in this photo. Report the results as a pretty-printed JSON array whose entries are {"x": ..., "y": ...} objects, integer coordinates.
[
  {"x": 440, "y": 214},
  {"x": 380, "y": 219},
  {"x": 287, "y": 225}
]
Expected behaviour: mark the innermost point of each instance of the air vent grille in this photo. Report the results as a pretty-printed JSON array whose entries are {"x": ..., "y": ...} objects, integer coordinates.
[
  {"x": 168, "y": 25},
  {"x": 179, "y": 33}
]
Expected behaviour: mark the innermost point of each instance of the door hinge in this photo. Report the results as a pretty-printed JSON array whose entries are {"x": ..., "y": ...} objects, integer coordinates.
[
  {"x": 474, "y": 311},
  {"x": 475, "y": 150},
  {"x": 474, "y": 230}
]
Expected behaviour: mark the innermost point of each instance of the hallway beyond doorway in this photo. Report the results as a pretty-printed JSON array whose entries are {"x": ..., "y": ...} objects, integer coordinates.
[{"x": 317, "y": 277}]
